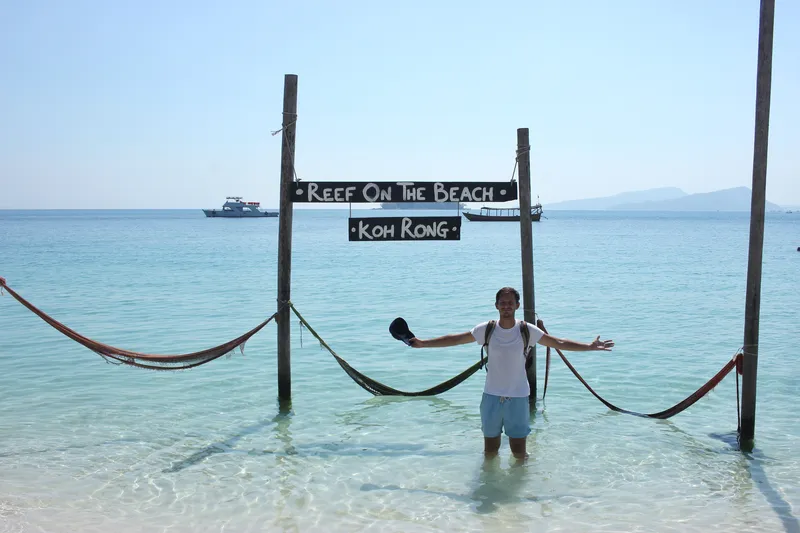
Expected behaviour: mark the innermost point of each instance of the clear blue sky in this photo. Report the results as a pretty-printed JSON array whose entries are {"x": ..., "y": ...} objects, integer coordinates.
[{"x": 170, "y": 104}]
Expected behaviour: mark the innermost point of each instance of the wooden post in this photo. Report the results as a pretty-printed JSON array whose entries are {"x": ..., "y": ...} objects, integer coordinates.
[
  {"x": 757, "y": 208},
  {"x": 285, "y": 237},
  {"x": 526, "y": 236}
]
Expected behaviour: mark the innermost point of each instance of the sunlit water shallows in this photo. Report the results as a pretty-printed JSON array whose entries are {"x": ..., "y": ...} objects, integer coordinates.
[{"x": 89, "y": 446}]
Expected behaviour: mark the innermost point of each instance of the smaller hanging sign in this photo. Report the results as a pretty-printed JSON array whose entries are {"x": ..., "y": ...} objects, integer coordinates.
[{"x": 405, "y": 229}]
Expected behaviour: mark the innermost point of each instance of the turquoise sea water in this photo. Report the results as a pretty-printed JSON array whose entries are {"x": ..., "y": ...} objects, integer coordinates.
[{"x": 88, "y": 446}]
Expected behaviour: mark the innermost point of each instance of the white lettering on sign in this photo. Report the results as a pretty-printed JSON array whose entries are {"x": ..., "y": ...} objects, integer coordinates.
[
  {"x": 367, "y": 232},
  {"x": 407, "y": 228},
  {"x": 477, "y": 194},
  {"x": 343, "y": 194},
  {"x": 410, "y": 193},
  {"x": 336, "y": 194},
  {"x": 373, "y": 193},
  {"x": 312, "y": 192},
  {"x": 419, "y": 231},
  {"x": 362, "y": 231},
  {"x": 439, "y": 193},
  {"x": 401, "y": 191}
]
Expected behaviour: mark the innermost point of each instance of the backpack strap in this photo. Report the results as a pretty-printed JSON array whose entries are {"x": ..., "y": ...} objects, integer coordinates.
[
  {"x": 526, "y": 335},
  {"x": 489, "y": 329},
  {"x": 526, "y": 340}
]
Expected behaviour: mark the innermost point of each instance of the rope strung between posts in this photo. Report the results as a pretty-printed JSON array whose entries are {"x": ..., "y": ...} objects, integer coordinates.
[
  {"x": 735, "y": 362},
  {"x": 142, "y": 360},
  {"x": 377, "y": 388},
  {"x": 191, "y": 360}
]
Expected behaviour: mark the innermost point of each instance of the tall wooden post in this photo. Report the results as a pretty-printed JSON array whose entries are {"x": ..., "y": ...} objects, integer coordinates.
[
  {"x": 285, "y": 237},
  {"x": 757, "y": 208},
  {"x": 526, "y": 236}
]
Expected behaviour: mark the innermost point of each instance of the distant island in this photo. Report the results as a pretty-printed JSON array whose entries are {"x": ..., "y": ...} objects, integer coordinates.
[
  {"x": 422, "y": 205},
  {"x": 658, "y": 199},
  {"x": 667, "y": 199}
]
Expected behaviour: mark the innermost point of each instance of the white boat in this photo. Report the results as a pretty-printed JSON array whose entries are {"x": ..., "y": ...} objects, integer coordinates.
[{"x": 234, "y": 207}]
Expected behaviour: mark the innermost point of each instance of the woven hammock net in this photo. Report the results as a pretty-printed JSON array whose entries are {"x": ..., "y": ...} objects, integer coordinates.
[{"x": 144, "y": 360}]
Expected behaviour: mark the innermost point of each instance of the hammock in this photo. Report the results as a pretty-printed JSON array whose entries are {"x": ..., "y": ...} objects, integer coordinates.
[
  {"x": 190, "y": 360},
  {"x": 143, "y": 360},
  {"x": 379, "y": 389},
  {"x": 735, "y": 362},
  {"x": 376, "y": 387}
]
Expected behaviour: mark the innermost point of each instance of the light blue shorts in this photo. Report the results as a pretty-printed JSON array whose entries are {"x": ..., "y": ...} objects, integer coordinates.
[{"x": 500, "y": 413}]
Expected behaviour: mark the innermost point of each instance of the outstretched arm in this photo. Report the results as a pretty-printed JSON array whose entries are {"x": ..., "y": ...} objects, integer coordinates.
[
  {"x": 443, "y": 342},
  {"x": 573, "y": 346}
]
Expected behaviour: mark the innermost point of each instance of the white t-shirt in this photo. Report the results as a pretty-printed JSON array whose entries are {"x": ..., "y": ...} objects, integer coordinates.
[{"x": 505, "y": 368}]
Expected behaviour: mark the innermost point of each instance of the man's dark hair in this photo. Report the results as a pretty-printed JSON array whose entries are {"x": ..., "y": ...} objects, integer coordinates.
[{"x": 506, "y": 290}]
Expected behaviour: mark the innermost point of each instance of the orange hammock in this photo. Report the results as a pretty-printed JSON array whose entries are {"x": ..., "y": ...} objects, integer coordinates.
[
  {"x": 735, "y": 362},
  {"x": 142, "y": 360}
]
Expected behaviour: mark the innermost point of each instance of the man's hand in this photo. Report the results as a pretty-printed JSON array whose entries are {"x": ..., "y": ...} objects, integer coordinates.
[
  {"x": 597, "y": 344},
  {"x": 573, "y": 346},
  {"x": 416, "y": 343}
]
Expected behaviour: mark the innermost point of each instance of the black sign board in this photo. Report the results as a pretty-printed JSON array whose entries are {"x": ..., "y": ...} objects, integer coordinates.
[
  {"x": 405, "y": 229},
  {"x": 402, "y": 191}
]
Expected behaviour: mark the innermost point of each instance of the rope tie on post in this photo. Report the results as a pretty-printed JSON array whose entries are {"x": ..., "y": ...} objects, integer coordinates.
[
  {"x": 286, "y": 139},
  {"x": 744, "y": 349},
  {"x": 274, "y": 133},
  {"x": 282, "y": 304},
  {"x": 519, "y": 152}
]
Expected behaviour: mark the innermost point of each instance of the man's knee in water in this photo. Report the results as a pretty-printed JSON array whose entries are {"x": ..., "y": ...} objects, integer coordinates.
[
  {"x": 491, "y": 445},
  {"x": 518, "y": 447}
]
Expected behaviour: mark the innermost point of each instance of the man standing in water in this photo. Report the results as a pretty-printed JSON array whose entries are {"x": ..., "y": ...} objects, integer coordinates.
[{"x": 504, "y": 405}]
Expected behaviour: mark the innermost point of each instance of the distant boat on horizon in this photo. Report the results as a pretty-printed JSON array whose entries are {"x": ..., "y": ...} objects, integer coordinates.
[
  {"x": 503, "y": 214},
  {"x": 234, "y": 207}
]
